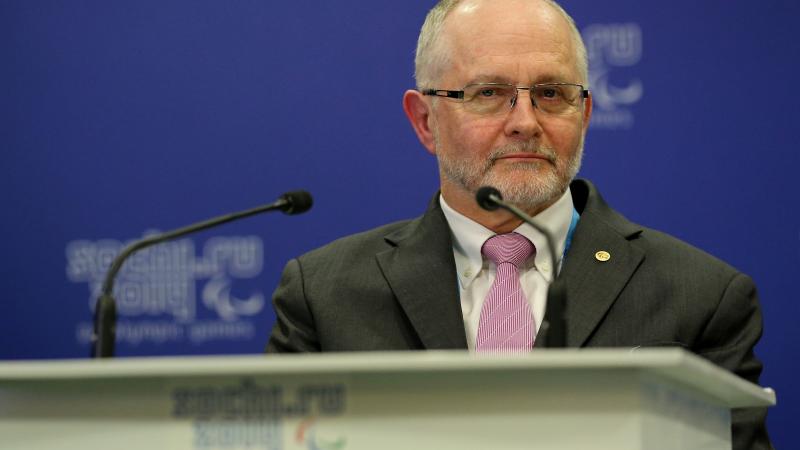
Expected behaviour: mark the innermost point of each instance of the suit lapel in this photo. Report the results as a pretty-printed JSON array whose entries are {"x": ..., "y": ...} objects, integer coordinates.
[
  {"x": 593, "y": 284},
  {"x": 421, "y": 272}
]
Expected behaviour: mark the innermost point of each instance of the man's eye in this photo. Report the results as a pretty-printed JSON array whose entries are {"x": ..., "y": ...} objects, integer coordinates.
[
  {"x": 550, "y": 93},
  {"x": 487, "y": 92}
]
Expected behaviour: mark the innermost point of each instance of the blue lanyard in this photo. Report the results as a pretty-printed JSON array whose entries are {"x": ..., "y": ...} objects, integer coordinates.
[{"x": 572, "y": 225}]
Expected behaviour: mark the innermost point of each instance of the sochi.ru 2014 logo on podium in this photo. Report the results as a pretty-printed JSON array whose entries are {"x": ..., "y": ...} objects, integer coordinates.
[{"x": 253, "y": 415}]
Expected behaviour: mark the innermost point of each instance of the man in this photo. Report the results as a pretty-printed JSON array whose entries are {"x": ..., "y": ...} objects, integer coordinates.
[{"x": 501, "y": 101}]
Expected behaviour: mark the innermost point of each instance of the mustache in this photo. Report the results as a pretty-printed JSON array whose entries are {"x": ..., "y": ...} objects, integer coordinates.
[{"x": 530, "y": 147}]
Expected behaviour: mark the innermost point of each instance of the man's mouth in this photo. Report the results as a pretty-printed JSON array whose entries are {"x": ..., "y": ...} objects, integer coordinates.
[{"x": 524, "y": 156}]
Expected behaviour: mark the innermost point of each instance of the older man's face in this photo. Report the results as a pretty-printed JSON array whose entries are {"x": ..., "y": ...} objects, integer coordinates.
[{"x": 529, "y": 155}]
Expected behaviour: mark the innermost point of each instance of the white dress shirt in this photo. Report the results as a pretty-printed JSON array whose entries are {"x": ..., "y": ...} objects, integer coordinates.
[{"x": 476, "y": 274}]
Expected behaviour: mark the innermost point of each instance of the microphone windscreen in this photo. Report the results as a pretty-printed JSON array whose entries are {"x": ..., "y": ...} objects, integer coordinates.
[
  {"x": 297, "y": 202},
  {"x": 486, "y": 196}
]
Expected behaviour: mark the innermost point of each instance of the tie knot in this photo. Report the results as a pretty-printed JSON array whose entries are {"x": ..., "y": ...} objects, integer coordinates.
[{"x": 511, "y": 248}]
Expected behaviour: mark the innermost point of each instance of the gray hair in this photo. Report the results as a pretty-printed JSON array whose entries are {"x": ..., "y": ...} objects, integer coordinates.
[{"x": 431, "y": 58}]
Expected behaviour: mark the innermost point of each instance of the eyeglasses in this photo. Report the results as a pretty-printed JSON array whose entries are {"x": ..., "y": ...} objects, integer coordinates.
[{"x": 491, "y": 99}]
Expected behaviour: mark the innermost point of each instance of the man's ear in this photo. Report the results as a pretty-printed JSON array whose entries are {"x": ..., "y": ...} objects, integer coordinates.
[{"x": 418, "y": 111}]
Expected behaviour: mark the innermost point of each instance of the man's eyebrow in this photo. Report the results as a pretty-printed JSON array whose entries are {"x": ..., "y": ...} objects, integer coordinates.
[
  {"x": 550, "y": 78},
  {"x": 494, "y": 78},
  {"x": 489, "y": 78}
]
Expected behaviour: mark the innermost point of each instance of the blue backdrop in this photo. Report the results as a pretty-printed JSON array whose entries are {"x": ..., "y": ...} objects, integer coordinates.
[{"x": 118, "y": 119}]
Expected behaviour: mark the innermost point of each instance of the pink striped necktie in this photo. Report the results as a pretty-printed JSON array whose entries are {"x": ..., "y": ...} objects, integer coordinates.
[{"x": 506, "y": 322}]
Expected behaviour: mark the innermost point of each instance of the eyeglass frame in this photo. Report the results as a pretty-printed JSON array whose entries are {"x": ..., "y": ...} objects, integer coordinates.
[{"x": 459, "y": 95}]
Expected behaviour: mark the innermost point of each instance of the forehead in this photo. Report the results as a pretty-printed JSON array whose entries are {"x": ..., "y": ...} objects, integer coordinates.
[{"x": 523, "y": 40}]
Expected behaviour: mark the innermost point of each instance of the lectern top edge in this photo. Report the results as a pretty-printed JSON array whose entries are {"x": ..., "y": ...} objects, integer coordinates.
[{"x": 666, "y": 363}]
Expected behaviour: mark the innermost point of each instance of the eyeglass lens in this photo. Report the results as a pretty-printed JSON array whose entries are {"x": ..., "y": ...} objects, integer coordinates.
[{"x": 487, "y": 99}]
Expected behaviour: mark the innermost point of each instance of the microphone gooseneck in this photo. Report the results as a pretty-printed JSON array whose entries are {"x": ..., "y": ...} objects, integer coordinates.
[
  {"x": 553, "y": 323},
  {"x": 105, "y": 318}
]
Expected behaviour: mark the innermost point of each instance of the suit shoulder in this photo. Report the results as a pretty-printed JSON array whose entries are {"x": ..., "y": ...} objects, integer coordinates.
[
  {"x": 669, "y": 250},
  {"x": 663, "y": 251},
  {"x": 356, "y": 245}
]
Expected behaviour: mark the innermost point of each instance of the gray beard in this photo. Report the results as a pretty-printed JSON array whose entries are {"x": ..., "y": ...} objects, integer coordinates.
[{"x": 539, "y": 189}]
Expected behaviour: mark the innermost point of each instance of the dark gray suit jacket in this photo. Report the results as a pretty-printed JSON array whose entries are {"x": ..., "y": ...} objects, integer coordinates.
[{"x": 395, "y": 288}]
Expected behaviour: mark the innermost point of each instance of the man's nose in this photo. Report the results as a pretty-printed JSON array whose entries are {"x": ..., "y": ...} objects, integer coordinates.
[{"x": 523, "y": 120}]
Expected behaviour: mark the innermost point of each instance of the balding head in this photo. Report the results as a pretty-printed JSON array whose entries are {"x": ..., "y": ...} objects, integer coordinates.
[{"x": 441, "y": 31}]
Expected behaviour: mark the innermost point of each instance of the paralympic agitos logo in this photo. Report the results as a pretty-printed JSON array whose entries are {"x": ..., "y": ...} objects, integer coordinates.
[{"x": 613, "y": 50}]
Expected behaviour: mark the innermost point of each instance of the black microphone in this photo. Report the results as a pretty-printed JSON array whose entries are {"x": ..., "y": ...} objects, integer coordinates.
[
  {"x": 553, "y": 324},
  {"x": 105, "y": 314}
]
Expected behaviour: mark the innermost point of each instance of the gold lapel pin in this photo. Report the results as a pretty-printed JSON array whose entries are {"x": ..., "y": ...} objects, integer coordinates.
[{"x": 602, "y": 256}]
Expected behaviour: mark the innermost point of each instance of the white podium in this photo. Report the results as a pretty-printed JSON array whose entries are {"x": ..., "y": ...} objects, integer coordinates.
[{"x": 549, "y": 399}]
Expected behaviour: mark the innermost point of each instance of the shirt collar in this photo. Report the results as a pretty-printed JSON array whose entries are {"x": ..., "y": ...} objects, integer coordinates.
[{"x": 469, "y": 236}]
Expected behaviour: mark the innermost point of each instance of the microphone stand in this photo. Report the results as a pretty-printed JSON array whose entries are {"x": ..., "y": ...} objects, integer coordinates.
[{"x": 105, "y": 314}]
